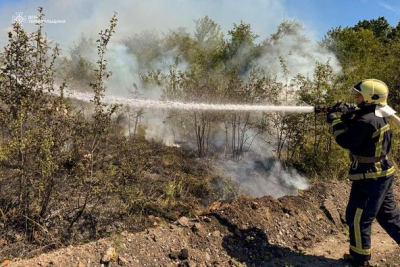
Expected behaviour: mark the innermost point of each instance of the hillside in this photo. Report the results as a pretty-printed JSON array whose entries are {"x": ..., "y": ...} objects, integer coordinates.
[{"x": 304, "y": 230}]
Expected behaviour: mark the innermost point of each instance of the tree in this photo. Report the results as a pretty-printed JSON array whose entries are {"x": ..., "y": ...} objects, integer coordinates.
[
  {"x": 208, "y": 33},
  {"x": 36, "y": 125},
  {"x": 147, "y": 48},
  {"x": 359, "y": 52},
  {"x": 179, "y": 43},
  {"x": 380, "y": 27},
  {"x": 78, "y": 70},
  {"x": 240, "y": 49},
  {"x": 288, "y": 28},
  {"x": 208, "y": 54}
]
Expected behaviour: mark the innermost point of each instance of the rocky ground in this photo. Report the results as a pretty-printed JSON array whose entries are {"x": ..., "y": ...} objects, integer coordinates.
[{"x": 304, "y": 230}]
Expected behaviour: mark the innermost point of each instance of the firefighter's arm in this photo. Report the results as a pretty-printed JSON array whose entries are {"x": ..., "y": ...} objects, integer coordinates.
[{"x": 352, "y": 136}]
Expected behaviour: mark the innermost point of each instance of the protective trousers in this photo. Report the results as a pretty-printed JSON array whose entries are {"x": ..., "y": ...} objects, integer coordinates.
[{"x": 370, "y": 199}]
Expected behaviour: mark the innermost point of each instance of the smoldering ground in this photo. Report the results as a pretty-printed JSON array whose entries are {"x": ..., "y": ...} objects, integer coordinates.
[{"x": 264, "y": 175}]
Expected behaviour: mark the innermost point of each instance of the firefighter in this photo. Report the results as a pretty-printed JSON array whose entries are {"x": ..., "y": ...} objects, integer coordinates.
[{"x": 366, "y": 134}]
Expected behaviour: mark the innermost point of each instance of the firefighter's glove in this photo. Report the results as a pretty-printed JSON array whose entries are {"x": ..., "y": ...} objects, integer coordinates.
[
  {"x": 347, "y": 108},
  {"x": 330, "y": 117},
  {"x": 336, "y": 107}
]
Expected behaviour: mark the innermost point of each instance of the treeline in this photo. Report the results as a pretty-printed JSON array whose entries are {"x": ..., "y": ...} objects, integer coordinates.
[{"x": 368, "y": 49}]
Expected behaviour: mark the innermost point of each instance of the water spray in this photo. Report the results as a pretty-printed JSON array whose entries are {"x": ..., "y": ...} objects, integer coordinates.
[{"x": 157, "y": 104}]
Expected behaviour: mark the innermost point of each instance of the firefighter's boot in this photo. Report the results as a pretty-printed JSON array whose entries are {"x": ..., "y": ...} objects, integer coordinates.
[{"x": 350, "y": 259}]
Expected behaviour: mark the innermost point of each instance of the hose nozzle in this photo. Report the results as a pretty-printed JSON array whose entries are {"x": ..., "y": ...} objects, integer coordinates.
[{"x": 346, "y": 108}]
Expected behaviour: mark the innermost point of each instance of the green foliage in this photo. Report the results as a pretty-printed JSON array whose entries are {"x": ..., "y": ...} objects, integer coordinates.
[
  {"x": 241, "y": 36},
  {"x": 147, "y": 48},
  {"x": 288, "y": 28},
  {"x": 380, "y": 27},
  {"x": 78, "y": 70},
  {"x": 101, "y": 118},
  {"x": 241, "y": 50},
  {"x": 36, "y": 125},
  {"x": 208, "y": 34},
  {"x": 359, "y": 52},
  {"x": 179, "y": 40},
  {"x": 369, "y": 49},
  {"x": 210, "y": 47}
]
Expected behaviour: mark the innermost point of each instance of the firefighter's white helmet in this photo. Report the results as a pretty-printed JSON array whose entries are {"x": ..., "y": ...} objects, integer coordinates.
[{"x": 374, "y": 91}]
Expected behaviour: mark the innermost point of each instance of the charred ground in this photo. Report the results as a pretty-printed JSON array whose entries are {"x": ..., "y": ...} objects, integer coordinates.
[{"x": 303, "y": 230}]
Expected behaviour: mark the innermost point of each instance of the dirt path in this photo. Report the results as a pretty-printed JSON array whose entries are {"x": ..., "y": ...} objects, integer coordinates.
[
  {"x": 385, "y": 251},
  {"x": 156, "y": 246}
]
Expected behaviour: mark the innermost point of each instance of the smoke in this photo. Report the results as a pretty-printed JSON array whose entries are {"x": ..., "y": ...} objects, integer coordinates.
[
  {"x": 90, "y": 16},
  {"x": 158, "y": 129},
  {"x": 259, "y": 176},
  {"x": 291, "y": 46},
  {"x": 124, "y": 71},
  {"x": 258, "y": 172}
]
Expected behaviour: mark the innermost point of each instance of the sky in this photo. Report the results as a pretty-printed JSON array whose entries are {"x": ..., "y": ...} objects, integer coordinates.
[
  {"x": 322, "y": 15},
  {"x": 88, "y": 17}
]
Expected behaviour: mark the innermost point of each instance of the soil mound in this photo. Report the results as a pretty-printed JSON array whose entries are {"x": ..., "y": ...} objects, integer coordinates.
[{"x": 304, "y": 230}]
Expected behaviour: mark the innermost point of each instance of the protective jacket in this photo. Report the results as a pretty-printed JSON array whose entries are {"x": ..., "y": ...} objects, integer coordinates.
[{"x": 368, "y": 138}]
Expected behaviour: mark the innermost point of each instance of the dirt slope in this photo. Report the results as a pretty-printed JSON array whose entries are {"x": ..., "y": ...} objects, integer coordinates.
[{"x": 304, "y": 230}]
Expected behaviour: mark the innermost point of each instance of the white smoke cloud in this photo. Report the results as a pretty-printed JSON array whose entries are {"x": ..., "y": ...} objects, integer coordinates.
[
  {"x": 157, "y": 128},
  {"x": 124, "y": 70},
  {"x": 90, "y": 16},
  {"x": 262, "y": 174},
  {"x": 299, "y": 54}
]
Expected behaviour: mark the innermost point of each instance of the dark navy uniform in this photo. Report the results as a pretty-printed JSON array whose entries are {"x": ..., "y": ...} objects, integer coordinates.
[{"x": 368, "y": 138}]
